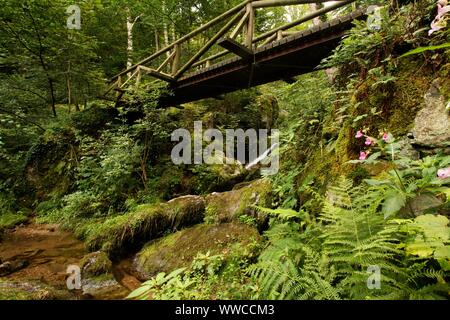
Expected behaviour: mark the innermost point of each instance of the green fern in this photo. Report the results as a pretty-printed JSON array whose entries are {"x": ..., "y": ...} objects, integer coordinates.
[{"x": 330, "y": 259}]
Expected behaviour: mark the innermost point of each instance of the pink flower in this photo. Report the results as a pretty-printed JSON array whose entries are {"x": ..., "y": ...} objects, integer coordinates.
[
  {"x": 363, "y": 155},
  {"x": 439, "y": 21},
  {"x": 369, "y": 142},
  {"x": 385, "y": 137},
  {"x": 359, "y": 134},
  {"x": 444, "y": 173}
]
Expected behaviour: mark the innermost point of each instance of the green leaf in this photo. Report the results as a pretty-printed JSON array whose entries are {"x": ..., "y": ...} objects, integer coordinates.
[
  {"x": 424, "y": 49},
  {"x": 393, "y": 202},
  {"x": 284, "y": 214},
  {"x": 139, "y": 292},
  {"x": 434, "y": 227},
  {"x": 433, "y": 235}
]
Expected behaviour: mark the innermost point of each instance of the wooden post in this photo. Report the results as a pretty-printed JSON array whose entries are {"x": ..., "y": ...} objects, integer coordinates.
[
  {"x": 139, "y": 77},
  {"x": 250, "y": 26},
  {"x": 176, "y": 59},
  {"x": 279, "y": 35}
]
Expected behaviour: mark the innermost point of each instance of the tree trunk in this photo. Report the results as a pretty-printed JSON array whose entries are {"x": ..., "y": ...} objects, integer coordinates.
[
  {"x": 157, "y": 40},
  {"x": 52, "y": 94},
  {"x": 129, "y": 40},
  {"x": 69, "y": 89},
  {"x": 165, "y": 30}
]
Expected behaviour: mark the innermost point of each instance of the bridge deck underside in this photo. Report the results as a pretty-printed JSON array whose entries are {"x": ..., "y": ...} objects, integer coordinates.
[{"x": 280, "y": 60}]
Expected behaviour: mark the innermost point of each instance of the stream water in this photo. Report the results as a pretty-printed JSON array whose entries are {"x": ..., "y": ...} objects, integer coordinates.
[{"x": 39, "y": 256}]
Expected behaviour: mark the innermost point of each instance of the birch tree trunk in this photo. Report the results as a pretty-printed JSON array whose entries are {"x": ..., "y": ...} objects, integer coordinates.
[
  {"x": 130, "y": 48},
  {"x": 130, "y": 45},
  {"x": 165, "y": 29}
]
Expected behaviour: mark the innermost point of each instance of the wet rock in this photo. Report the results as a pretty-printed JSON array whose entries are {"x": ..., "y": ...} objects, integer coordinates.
[
  {"x": 179, "y": 249},
  {"x": 103, "y": 287},
  {"x": 407, "y": 150},
  {"x": 96, "y": 264},
  {"x": 12, "y": 266},
  {"x": 432, "y": 123},
  {"x": 229, "y": 206},
  {"x": 422, "y": 204}
]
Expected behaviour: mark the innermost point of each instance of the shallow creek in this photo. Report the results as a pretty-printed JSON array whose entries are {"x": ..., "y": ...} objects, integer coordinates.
[{"x": 38, "y": 257}]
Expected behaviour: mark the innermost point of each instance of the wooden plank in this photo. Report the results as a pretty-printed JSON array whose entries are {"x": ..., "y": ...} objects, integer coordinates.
[{"x": 235, "y": 47}]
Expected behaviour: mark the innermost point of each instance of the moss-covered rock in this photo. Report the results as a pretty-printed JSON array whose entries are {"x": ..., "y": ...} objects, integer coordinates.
[
  {"x": 179, "y": 249},
  {"x": 432, "y": 124},
  {"x": 103, "y": 287},
  {"x": 96, "y": 264},
  {"x": 229, "y": 206},
  {"x": 120, "y": 234}
]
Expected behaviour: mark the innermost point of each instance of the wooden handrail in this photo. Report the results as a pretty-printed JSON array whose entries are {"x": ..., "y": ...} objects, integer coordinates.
[
  {"x": 304, "y": 19},
  {"x": 242, "y": 14},
  {"x": 208, "y": 45},
  {"x": 279, "y": 3},
  {"x": 188, "y": 36}
]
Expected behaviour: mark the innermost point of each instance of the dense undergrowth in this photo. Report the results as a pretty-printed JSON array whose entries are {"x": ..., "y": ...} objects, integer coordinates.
[
  {"x": 339, "y": 219},
  {"x": 334, "y": 222}
]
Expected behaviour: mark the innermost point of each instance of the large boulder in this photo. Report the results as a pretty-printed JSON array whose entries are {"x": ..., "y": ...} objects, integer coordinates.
[
  {"x": 98, "y": 280},
  {"x": 179, "y": 249},
  {"x": 104, "y": 287},
  {"x": 230, "y": 206},
  {"x": 432, "y": 124},
  {"x": 96, "y": 264}
]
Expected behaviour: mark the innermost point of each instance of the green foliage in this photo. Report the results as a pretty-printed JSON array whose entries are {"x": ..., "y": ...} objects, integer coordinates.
[
  {"x": 330, "y": 259},
  {"x": 408, "y": 180},
  {"x": 9, "y": 219},
  {"x": 429, "y": 236}
]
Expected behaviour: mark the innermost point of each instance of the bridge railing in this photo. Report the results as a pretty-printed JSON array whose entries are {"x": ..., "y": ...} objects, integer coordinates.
[{"x": 237, "y": 36}]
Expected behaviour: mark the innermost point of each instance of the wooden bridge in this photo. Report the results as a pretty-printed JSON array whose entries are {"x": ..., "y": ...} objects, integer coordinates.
[{"x": 278, "y": 54}]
